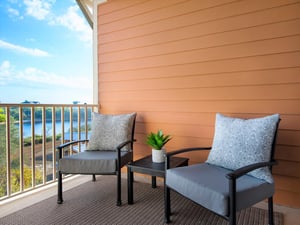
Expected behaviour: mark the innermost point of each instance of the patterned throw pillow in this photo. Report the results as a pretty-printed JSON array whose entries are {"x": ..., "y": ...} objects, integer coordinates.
[
  {"x": 240, "y": 142},
  {"x": 108, "y": 131}
]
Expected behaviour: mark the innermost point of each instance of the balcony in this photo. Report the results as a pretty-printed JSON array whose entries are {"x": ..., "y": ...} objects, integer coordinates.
[
  {"x": 177, "y": 68},
  {"x": 29, "y": 134}
]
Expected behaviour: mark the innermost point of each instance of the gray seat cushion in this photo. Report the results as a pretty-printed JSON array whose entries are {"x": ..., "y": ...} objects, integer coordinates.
[
  {"x": 208, "y": 186},
  {"x": 93, "y": 162}
]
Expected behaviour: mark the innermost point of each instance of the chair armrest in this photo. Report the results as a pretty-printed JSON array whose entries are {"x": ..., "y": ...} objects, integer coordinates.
[
  {"x": 60, "y": 147},
  {"x": 168, "y": 155},
  {"x": 119, "y": 147},
  {"x": 233, "y": 176},
  {"x": 123, "y": 144},
  {"x": 70, "y": 143},
  {"x": 246, "y": 169}
]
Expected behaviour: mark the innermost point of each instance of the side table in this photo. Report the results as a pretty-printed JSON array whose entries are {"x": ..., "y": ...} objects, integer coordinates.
[{"x": 146, "y": 166}]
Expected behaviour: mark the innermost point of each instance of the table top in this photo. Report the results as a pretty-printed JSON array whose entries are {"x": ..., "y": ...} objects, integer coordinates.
[{"x": 145, "y": 165}]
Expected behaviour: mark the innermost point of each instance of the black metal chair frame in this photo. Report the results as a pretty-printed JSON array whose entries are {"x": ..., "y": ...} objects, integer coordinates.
[
  {"x": 117, "y": 172},
  {"x": 232, "y": 177}
]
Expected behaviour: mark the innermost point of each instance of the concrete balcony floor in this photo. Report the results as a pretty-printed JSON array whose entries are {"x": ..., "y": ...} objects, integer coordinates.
[{"x": 291, "y": 215}]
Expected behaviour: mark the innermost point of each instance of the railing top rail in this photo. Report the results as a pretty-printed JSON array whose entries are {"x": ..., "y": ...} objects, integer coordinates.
[{"x": 46, "y": 105}]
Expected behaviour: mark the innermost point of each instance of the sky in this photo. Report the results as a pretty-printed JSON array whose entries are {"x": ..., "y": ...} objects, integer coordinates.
[{"x": 45, "y": 52}]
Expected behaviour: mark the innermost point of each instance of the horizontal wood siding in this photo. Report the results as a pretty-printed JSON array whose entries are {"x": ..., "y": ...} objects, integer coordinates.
[{"x": 177, "y": 63}]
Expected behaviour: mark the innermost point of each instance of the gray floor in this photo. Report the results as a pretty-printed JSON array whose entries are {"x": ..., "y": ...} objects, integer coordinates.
[{"x": 291, "y": 215}]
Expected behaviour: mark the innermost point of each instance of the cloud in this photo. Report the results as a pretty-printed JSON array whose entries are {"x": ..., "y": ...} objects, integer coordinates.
[
  {"x": 43, "y": 10},
  {"x": 28, "y": 51},
  {"x": 5, "y": 67},
  {"x": 32, "y": 76},
  {"x": 74, "y": 22},
  {"x": 14, "y": 13},
  {"x": 5, "y": 71},
  {"x": 38, "y": 9}
]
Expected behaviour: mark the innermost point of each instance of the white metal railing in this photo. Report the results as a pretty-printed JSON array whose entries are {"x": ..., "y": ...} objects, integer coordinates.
[{"x": 29, "y": 134}]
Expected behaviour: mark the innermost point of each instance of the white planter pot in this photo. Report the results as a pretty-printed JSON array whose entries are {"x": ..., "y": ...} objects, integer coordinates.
[{"x": 158, "y": 156}]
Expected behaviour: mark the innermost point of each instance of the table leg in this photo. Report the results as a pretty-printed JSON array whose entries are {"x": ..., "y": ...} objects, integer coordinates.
[
  {"x": 130, "y": 185},
  {"x": 153, "y": 181}
]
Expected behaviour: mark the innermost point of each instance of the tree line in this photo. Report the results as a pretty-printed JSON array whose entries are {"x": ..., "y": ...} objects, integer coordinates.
[{"x": 38, "y": 114}]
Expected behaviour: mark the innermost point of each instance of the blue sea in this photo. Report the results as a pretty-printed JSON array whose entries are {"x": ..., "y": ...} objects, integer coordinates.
[{"x": 38, "y": 129}]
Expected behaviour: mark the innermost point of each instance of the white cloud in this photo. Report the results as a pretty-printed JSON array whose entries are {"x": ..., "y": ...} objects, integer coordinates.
[
  {"x": 14, "y": 13},
  {"x": 74, "y": 22},
  {"x": 43, "y": 10},
  {"x": 28, "y": 51},
  {"x": 5, "y": 71},
  {"x": 32, "y": 76},
  {"x": 38, "y": 9},
  {"x": 5, "y": 67}
]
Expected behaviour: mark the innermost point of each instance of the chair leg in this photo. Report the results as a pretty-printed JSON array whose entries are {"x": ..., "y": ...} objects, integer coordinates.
[
  {"x": 232, "y": 218},
  {"x": 59, "y": 189},
  {"x": 167, "y": 204},
  {"x": 130, "y": 186},
  {"x": 271, "y": 215},
  {"x": 119, "y": 201},
  {"x": 94, "y": 178},
  {"x": 232, "y": 201}
]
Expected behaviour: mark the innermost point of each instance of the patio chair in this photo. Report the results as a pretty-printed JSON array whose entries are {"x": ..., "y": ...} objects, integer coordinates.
[
  {"x": 237, "y": 173},
  {"x": 110, "y": 148}
]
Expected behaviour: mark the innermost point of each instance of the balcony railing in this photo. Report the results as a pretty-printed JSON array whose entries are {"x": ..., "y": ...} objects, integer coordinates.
[{"x": 29, "y": 134}]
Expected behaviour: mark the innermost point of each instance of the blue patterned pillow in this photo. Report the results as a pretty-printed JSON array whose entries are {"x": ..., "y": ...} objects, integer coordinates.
[
  {"x": 240, "y": 142},
  {"x": 108, "y": 131}
]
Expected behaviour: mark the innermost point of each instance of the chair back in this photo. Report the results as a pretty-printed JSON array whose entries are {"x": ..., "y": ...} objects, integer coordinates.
[
  {"x": 274, "y": 143},
  {"x": 132, "y": 133}
]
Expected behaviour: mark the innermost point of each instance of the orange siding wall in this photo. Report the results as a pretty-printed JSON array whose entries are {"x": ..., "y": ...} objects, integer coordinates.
[{"x": 178, "y": 62}]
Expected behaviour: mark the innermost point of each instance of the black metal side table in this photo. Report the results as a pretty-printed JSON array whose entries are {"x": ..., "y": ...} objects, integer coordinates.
[{"x": 146, "y": 166}]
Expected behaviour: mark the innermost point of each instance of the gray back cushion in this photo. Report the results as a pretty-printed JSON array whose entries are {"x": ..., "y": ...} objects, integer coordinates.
[
  {"x": 240, "y": 142},
  {"x": 108, "y": 131}
]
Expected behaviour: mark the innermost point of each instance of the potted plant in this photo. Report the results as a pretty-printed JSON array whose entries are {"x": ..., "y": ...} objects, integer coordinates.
[{"x": 157, "y": 142}]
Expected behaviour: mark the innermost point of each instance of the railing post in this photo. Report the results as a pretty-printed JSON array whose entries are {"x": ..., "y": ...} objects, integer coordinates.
[
  {"x": 21, "y": 141},
  {"x": 33, "y": 146},
  {"x": 71, "y": 124},
  {"x": 54, "y": 142},
  {"x": 8, "y": 172},
  {"x": 86, "y": 121},
  {"x": 62, "y": 125},
  {"x": 79, "y": 127},
  {"x": 44, "y": 148}
]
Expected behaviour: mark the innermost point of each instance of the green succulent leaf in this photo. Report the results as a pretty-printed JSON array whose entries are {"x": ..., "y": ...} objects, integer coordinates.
[{"x": 157, "y": 140}]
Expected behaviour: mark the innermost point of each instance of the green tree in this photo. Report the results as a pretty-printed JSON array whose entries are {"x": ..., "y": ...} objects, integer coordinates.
[
  {"x": 27, "y": 178},
  {"x": 15, "y": 179},
  {"x": 2, "y": 115},
  {"x": 14, "y": 148},
  {"x": 14, "y": 141}
]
